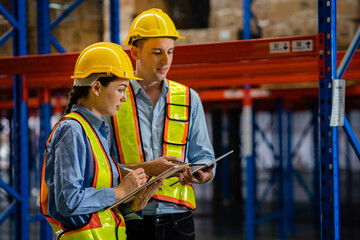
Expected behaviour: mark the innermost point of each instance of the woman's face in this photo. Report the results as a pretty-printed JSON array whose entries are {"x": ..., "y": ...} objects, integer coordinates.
[{"x": 110, "y": 97}]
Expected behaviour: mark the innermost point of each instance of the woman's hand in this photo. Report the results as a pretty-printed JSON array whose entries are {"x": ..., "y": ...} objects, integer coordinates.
[
  {"x": 130, "y": 182},
  {"x": 142, "y": 198}
]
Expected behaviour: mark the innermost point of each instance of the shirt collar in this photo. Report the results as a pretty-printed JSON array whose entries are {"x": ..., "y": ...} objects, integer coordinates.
[
  {"x": 137, "y": 87},
  {"x": 94, "y": 120}
]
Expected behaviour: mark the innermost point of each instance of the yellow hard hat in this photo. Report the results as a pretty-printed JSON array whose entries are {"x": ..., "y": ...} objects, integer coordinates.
[
  {"x": 151, "y": 23},
  {"x": 104, "y": 57}
]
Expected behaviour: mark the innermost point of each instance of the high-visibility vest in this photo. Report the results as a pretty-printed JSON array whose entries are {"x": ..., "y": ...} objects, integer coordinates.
[
  {"x": 104, "y": 224},
  {"x": 176, "y": 129}
]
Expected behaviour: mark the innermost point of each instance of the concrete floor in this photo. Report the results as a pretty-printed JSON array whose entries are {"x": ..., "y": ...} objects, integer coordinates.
[{"x": 215, "y": 221}]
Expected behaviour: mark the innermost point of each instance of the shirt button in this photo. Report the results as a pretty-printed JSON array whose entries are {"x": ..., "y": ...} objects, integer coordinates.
[
  {"x": 157, "y": 220},
  {"x": 156, "y": 147}
]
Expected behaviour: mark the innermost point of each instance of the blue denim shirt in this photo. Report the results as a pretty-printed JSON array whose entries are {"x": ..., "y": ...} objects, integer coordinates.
[
  {"x": 199, "y": 148},
  {"x": 69, "y": 171}
]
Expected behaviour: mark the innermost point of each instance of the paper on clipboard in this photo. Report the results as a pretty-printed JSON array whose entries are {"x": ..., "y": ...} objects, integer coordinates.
[
  {"x": 212, "y": 162},
  {"x": 169, "y": 172}
]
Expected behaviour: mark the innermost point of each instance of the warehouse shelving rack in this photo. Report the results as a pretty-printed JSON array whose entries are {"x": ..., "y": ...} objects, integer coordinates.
[{"x": 219, "y": 71}]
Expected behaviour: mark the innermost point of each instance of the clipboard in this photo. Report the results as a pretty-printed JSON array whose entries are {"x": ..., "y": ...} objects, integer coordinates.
[{"x": 169, "y": 172}]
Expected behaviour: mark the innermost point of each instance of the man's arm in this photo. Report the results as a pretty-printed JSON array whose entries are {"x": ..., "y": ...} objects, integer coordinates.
[
  {"x": 200, "y": 150},
  {"x": 154, "y": 167}
]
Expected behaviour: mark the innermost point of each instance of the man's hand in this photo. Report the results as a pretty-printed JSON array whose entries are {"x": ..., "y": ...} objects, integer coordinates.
[
  {"x": 202, "y": 176},
  {"x": 159, "y": 165}
]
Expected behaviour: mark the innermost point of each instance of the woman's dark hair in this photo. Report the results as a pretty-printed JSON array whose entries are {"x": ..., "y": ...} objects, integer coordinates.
[{"x": 78, "y": 92}]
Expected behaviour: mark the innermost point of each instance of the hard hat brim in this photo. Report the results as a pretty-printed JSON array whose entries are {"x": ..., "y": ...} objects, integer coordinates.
[{"x": 103, "y": 69}]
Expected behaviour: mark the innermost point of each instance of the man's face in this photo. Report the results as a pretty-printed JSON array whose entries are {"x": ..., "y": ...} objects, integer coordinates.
[{"x": 154, "y": 58}]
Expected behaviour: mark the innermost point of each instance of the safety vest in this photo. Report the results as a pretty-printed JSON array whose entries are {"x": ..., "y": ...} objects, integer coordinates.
[
  {"x": 176, "y": 128},
  {"x": 104, "y": 224}
]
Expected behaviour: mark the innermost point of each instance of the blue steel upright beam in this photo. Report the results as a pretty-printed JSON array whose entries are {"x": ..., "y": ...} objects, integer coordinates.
[
  {"x": 316, "y": 171},
  {"x": 46, "y": 231},
  {"x": 115, "y": 21},
  {"x": 44, "y": 44},
  {"x": 21, "y": 141},
  {"x": 330, "y": 224},
  {"x": 335, "y": 149},
  {"x": 21, "y": 204},
  {"x": 43, "y": 26},
  {"x": 248, "y": 153},
  {"x": 246, "y": 19},
  {"x": 280, "y": 169},
  {"x": 289, "y": 180},
  {"x": 19, "y": 39}
]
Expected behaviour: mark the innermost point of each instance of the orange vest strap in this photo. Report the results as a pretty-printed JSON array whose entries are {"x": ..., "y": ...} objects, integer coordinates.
[{"x": 102, "y": 165}]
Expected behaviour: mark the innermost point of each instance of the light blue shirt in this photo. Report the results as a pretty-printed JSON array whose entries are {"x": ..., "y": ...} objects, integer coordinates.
[
  {"x": 199, "y": 148},
  {"x": 69, "y": 171}
]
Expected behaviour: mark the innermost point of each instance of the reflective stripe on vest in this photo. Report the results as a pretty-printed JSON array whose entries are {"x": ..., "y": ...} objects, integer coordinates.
[
  {"x": 126, "y": 123},
  {"x": 103, "y": 224},
  {"x": 176, "y": 120},
  {"x": 128, "y": 137}
]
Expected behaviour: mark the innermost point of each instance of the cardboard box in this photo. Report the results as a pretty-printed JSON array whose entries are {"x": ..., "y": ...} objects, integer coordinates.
[
  {"x": 290, "y": 28},
  {"x": 226, "y": 17},
  {"x": 141, "y": 6},
  {"x": 348, "y": 9},
  {"x": 285, "y": 9},
  {"x": 346, "y": 29},
  {"x": 260, "y": 9}
]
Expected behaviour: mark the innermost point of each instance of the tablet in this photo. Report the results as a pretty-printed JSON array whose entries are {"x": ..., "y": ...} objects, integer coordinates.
[{"x": 210, "y": 163}]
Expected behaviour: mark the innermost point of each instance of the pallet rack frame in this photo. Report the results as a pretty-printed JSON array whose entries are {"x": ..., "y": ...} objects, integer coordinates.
[{"x": 224, "y": 61}]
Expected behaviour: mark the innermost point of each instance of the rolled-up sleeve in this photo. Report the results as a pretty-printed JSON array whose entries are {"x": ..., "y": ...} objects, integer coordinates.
[{"x": 200, "y": 150}]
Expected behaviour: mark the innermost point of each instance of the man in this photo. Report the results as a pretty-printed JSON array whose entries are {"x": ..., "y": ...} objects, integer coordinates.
[{"x": 168, "y": 120}]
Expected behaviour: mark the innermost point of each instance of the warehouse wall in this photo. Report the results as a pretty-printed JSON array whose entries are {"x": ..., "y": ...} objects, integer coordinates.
[{"x": 89, "y": 23}]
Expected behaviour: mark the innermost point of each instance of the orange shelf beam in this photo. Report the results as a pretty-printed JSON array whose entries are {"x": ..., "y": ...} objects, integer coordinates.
[{"x": 220, "y": 65}]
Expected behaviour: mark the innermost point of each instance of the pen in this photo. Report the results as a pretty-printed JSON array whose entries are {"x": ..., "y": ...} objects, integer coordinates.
[{"x": 127, "y": 169}]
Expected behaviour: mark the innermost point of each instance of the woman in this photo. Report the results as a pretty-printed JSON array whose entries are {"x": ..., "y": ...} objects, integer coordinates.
[{"x": 79, "y": 177}]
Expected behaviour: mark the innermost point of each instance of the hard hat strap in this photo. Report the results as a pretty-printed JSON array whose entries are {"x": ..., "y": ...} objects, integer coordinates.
[{"x": 89, "y": 81}]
